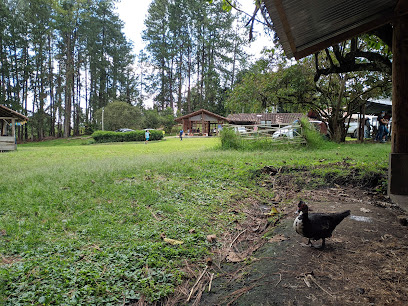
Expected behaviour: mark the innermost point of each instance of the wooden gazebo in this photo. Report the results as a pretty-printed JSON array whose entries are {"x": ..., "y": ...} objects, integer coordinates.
[
  {"x": 201, "y": 122},
  {"x": 8, "y": 119}
]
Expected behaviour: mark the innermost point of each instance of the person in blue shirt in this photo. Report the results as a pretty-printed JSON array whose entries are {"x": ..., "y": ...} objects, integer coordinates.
[
  {"x": 147, "y": 136},
  {"x": 181, "y": 134}
]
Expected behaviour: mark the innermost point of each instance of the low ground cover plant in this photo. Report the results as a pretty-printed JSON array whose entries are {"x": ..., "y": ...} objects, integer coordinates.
[{"x": 87, "y": 227}]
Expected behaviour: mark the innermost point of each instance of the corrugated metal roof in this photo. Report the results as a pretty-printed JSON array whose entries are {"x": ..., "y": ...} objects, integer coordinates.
[{"x": 306, "y": 26}]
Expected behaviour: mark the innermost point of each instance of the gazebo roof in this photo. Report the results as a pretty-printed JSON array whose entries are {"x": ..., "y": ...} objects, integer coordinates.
[
  {"x": 201, "y": 111},
  {"x": 305, "y": 27},
  {"x": 6, "y": 112}
]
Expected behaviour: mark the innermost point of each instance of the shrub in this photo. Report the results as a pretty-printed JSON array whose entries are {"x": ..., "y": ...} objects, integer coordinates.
[
  {"x": 108, "y": 136},
  {"x": 230, "y": 140},
  {"x": 313, "y": 137}
]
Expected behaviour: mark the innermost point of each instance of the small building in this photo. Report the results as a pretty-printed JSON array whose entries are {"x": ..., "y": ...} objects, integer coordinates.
[
  {"x": 266, "y": 119},
  {"x": 201, "y": 122},
  {"x": 8, "y": 120}
]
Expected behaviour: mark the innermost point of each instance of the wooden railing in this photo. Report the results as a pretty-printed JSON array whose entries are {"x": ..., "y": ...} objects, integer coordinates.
[
  {"x": 281, "y": 133},
  {"x": 7, "y": 143}
]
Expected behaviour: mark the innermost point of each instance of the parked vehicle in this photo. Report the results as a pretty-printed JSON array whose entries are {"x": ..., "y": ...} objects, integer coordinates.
[
  {"x": 293, "y": 130},
  {"x": 240, "y": 129},
  {"x": 288, "y": 131},
  {"x": 123, "y": 130},
  {"x": 352, "y": 130}
]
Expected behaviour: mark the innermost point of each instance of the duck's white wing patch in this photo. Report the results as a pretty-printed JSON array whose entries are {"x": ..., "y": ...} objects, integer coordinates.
[{"x": 298, "y": 225}]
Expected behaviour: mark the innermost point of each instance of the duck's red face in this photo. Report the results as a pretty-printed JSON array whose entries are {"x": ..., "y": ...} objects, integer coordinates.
[{"x": 302, "y": 207}]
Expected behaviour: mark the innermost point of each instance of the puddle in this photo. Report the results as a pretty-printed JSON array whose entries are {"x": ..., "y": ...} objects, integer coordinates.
[{"x": 361, "y": 218}]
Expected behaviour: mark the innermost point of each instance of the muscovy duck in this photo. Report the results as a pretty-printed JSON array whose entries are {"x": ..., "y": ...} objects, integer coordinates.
[{"x": 317, "y": 225}]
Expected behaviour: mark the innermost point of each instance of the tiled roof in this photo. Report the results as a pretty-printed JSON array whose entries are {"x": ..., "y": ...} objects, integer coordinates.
[{"x": 275, "y": 118}]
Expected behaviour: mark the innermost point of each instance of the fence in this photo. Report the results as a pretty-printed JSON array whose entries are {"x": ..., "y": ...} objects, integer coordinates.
[{"x": 280, "y": 133}]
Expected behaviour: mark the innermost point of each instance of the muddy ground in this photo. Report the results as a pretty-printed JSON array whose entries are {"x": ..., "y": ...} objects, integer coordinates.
[{"x": 265, "y": 262}]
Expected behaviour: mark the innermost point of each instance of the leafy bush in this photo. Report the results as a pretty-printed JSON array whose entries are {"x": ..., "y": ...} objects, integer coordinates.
[
  {"x": 107, "y": 136},
  {"x": 230, "y": 140},
  {"x": 313, "y": 137}
]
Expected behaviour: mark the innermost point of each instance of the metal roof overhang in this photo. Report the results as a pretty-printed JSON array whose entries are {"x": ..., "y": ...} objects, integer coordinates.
[{"x": 307, "y": 26}]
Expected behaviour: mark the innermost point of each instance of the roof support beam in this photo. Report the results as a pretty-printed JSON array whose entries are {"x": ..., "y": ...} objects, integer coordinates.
[{"x": 398, "y": 168}]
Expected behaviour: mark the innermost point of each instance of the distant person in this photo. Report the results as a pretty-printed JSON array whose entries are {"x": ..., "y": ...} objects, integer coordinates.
[
  {"x": 181, "y": 134},
  {"x": 389, "y": 124},
  {"x": 367, "y": 128},
  {"x": 147, "y": 136},
  {"x": 382, "y": 130}
]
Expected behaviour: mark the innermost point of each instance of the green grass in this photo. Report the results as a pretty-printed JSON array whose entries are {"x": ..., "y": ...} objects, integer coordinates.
[{"x": 81, "y": 224}]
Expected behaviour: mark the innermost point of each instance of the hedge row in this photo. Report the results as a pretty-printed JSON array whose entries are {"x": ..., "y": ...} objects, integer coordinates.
[{"x": 107, "y": 136}]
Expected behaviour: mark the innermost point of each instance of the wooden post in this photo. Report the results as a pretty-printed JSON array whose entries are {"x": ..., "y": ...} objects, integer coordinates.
[
  {"x": 13, "y": 128},
  {"x": 398, "y": 168},
  {"x": 202, "y": 123}
]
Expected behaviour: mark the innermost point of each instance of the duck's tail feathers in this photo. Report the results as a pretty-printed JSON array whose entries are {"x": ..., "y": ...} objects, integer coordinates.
[{"x": 340, "y": 216}]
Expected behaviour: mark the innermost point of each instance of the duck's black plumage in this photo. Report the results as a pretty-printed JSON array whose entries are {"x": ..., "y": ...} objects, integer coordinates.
[{"x": 317, "y": 225}]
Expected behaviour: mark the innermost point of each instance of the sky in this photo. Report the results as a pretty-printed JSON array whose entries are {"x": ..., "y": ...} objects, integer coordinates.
[{"x": 133, "y": 13}]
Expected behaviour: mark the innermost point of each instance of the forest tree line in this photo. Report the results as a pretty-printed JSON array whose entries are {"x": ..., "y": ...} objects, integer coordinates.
[
  {"x": 62, "y": 61},
  {"x": 57, "y": 54}
]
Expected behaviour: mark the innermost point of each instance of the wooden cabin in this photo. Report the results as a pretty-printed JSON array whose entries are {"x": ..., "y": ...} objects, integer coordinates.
[
  {"x": 201, "y": 123},
  {"x": 8, "y": 120}
]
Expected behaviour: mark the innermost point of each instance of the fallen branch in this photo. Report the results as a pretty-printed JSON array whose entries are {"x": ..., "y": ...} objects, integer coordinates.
[
  {"x": 237, "y": 237},
  {"x": 211, "y": 279},
  {"x": 310, "y": 276},
  {"x": 198, "y": 280},
  {"x": 280, "y": 278},
  {"x": 240, "y": 292}
]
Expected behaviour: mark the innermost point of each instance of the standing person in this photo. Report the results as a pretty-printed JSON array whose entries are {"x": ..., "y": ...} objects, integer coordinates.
[
  {"x": 181, "y": 134},
  {"x": 382, "y": 130},
  {"x": 367, "y": 128},
  {"x": 147, "y": 136}
]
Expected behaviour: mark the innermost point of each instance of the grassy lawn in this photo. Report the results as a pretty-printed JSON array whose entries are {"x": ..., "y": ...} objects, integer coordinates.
[{"x": 82, "y": 223}]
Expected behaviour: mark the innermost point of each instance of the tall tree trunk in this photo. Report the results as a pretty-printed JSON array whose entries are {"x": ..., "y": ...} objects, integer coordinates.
[
  {"x": 51, "y": 86},
  {"x": 68, "y": 86},
  {"x": 180, "y": 85},
  {"x": 171, "y": 84},
  {"x": 189, "y": 81}
]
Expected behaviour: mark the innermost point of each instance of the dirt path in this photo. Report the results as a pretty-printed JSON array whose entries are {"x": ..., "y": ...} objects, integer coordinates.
[{"x": 364, "y": 263}]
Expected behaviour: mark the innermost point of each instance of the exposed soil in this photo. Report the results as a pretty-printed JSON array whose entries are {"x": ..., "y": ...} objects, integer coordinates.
[{"x": 265, "y": 262}]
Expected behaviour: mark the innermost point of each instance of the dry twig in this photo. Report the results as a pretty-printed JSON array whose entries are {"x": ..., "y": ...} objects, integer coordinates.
[
  {"x": 237, "y": 237},
  {"x": 198, "y": 280},
  {"x": 211, "y": 279}
]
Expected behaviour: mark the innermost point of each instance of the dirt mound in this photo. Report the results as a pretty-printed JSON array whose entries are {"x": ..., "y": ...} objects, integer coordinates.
[
  {"x": 363, "y": 263},
  {"x": 329, "y": 174}
]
